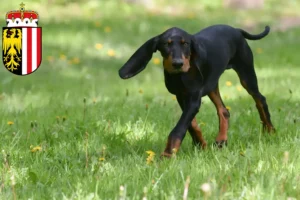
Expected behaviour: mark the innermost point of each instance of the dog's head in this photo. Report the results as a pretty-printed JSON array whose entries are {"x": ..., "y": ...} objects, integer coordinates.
[{"x": 177, "y": 48}]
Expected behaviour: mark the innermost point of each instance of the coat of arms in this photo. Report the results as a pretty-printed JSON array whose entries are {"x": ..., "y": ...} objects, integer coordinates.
[{"x": 22, "y": 41}]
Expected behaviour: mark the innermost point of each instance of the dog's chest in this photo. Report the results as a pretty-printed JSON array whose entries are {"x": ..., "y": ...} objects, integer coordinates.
[{"x": 182, "y": 83}]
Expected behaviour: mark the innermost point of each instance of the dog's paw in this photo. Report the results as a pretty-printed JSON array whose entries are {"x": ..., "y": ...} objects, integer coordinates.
[
  {"x": 202, "y": 145},
  {"x": 165, "y": 155},
  {"x": 269, "y": 129},
  {"x": 220, "y": 144}
]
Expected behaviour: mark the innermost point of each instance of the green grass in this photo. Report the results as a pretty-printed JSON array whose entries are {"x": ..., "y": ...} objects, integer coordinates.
[{"x": 48, "y": 110}]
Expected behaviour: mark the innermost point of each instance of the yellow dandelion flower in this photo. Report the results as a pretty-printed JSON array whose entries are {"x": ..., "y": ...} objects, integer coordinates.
[
  {"x": 141, "y": 91},
  {"x": 76, "y": 60},
  {"x": 10, "y": 123},
  {"x": 97, "y": 24},
  {"x": 94, "y": 100},
  {"x": 50, "y": 58},
  {"x": 156, "y": 61},
  {"x": 259, "y": 50},
  {"x": 228, "y": 108},
  {"x": 239, "y": 88},
  {"x": 63, "y": 57},
  {"x": 149, "y": 152},
  {"x": 35, "y": 149},
  {"x": 174, "y": 97},
  {"x": 111, "y": 53},
  {"x": 107, "y": 29},
  {"x": 98, "y": 46},
  {"x": 150, "y": 158},
  {"x": 228, "y": 83},
  {"x": 101, "y": 159}
]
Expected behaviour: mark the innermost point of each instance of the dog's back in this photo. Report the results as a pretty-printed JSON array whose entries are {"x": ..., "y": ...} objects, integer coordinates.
[
  {"x": 222, "y": 41},
  {"x": 222, "y": 32}
]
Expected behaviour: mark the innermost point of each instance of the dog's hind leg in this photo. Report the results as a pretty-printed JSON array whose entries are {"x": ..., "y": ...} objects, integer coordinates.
[
  {"x": 245, "y": 69},
  {"x": 223, "y": 115}
]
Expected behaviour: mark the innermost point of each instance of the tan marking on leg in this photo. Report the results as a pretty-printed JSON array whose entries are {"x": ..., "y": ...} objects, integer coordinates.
[
  {"x": 223, "y": 115},
  {"x": 223, "y": 125},
  {"x": 259, "y": 105},
  {"x": 196, "y": 134},
  {"x": 266, "y": 125}
]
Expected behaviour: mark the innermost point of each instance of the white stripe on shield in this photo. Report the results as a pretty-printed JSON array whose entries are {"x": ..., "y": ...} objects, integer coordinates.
[
  {"x": 34, "y": 49},
  {"x": 24, "y": 50}
]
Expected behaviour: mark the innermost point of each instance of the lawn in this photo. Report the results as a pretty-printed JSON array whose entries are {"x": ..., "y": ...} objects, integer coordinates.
[{"x": 75, "y": 130}]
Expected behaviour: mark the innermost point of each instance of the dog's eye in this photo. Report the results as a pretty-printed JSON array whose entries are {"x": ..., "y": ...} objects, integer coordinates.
[{"x": 185, "y": 44}]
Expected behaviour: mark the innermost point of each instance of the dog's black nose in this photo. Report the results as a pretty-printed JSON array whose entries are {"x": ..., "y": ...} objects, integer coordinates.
[{"x": 177, "y": 63}]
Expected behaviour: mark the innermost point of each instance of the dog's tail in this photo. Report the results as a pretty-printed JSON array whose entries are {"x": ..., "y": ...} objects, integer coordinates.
[{"x": 255, "y": 37}]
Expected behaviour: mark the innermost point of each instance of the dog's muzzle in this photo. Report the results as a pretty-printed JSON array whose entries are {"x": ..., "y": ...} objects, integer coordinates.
[{"x": 177, "y": 63}]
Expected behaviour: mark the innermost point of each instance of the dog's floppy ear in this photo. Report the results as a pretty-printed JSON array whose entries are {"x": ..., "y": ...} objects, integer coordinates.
[
  {"x": 139, "y": 60},
  {"x": 199, "y": 54}
]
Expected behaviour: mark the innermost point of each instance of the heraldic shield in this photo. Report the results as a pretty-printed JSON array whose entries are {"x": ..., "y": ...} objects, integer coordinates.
[{"x": 22, "y": 49}]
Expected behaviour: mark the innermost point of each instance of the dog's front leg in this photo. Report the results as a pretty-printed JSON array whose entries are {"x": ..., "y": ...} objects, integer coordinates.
[{"x": 192, "y": 102}]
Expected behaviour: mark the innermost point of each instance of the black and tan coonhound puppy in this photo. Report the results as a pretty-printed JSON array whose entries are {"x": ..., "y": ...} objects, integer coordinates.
[{"x": 193, "y": 65}]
